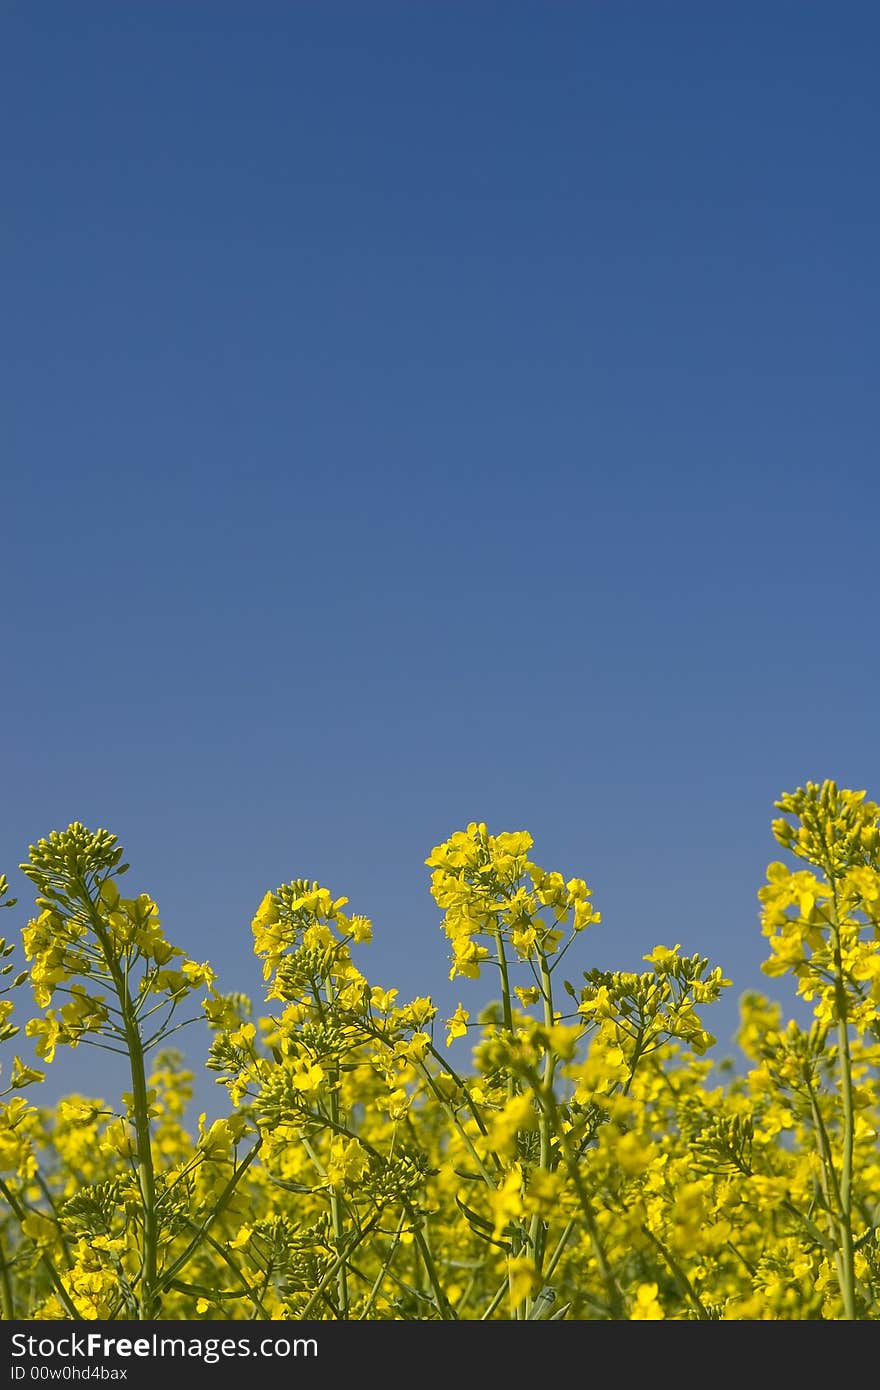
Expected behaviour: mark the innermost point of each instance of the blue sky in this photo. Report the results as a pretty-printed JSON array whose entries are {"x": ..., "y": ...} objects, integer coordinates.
[{"x": 423, "y": 413}]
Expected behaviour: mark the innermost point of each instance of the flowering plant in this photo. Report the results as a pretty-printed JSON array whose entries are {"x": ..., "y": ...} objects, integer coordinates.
[{"x": 593, "y": 1162}]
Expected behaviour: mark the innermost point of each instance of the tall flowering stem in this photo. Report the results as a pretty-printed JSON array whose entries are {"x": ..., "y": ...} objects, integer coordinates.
[
  {"x": 119, "y": 981},
  {"x": 823, "y": 925}
]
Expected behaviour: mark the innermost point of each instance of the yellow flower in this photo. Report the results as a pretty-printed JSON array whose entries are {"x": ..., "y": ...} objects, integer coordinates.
[
  {"x": 522, "y": 1277},
  {"x": 456, "y": 1026},
  {"x": 646, "y": 1307},
  {"x": 309, "y": 1079}
]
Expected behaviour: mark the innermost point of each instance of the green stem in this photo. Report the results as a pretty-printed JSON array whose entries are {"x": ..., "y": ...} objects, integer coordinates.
[
  {"x": 338, "y": 1223},
  {"x": 505, "y": 981},
  {"x": 548, "y": 1101},
  {"x": 497, "y": 1300},
  {"x": 336, "y": 1210},
  {"x": 507, "y": 1009},
  {"x": 149, "y": 1292},
  {"x": 444, "y": 1307},
  {"x": 847, "y": 1252},
  {"x": 6, "y": 1287},
  {"x": 538, "y": 1228},
  {"x": 559, "y": 1251}
]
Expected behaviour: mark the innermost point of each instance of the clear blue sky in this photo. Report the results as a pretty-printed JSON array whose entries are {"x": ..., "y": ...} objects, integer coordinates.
[{"x": 421, "y": 413}]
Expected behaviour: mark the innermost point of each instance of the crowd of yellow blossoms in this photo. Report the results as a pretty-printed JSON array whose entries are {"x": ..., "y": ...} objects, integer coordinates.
[{"x": 592, "y": 1161}]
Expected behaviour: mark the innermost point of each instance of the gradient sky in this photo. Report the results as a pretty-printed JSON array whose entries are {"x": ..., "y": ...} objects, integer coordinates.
[{"x": 421, "y": 413}]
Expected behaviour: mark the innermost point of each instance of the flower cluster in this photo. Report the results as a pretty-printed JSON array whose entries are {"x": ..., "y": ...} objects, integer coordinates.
[{"x": 592, "y": 1162}]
